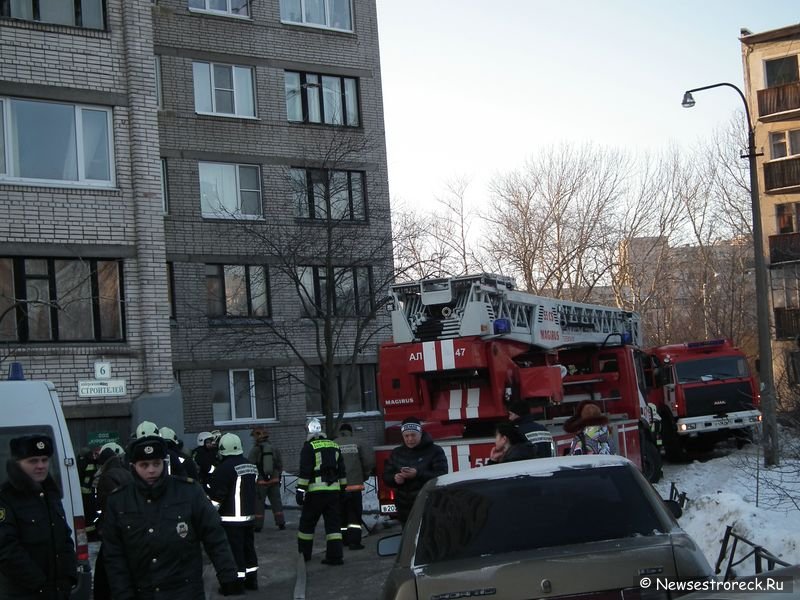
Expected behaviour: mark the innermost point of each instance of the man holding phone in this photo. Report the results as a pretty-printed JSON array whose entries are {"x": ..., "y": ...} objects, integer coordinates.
[{"x": 412, "y": 465}]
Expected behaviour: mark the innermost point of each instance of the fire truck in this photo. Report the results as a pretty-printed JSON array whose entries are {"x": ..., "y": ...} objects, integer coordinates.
[
  {"x": 704, "y": 392},
  {"x": 464, "y": 347}
]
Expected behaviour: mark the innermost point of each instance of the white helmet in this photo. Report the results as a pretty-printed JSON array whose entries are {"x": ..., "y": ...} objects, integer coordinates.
[
  {"x": 168, "y": 434},
  {"x": 145, "y": 429},
  {"x": 118, "y": 450},
  {"x": 314, "y": 427},
  {"x": 229, "y": 445},
  {"x": 203, "y": 436}
]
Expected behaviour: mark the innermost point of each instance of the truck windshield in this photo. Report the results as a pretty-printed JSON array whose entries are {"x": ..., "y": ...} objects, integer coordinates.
[{"x": 711, "y": 368}]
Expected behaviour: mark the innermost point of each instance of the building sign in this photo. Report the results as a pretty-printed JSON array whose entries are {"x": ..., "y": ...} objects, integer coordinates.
[
  {"x": 101, "y": 388},
  {"x": 102, "y": 370},
  {"x": 99, "y": 438}
]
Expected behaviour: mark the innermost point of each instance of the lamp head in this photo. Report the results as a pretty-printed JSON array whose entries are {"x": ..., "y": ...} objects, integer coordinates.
[{"x": 688, "y": 100}]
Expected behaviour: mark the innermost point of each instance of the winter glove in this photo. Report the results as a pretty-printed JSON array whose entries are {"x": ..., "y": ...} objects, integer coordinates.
[
  {"x": 231, "y": 588},
  {"x": 300, "y": 496}
]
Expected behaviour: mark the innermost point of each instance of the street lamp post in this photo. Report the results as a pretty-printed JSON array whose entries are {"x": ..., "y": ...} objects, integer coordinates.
[{"x": 770, "y": 427}]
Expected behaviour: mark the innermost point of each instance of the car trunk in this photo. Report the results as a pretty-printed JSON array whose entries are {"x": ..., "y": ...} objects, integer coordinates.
[{"x": 551, "y": 572}]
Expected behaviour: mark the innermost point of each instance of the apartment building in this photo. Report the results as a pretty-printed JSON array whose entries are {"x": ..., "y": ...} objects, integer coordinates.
[
  {"x": 239, "y": 201},
  {"x": 772, "y": 85}
]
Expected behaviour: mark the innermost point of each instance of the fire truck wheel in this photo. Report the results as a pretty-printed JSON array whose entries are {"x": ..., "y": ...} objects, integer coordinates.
[
  {"x": 674, "y": 446},
  {"x": 651, "y": 461}
]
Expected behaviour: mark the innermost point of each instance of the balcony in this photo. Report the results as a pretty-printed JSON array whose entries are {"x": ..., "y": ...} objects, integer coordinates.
[
  {"x": 782, "y": 175},
  {"x": 787, "y": 323},
  {"x": 784, "y": 247},
  {"x": 776, "y": 101}
]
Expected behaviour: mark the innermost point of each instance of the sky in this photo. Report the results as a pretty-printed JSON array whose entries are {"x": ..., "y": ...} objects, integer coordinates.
[{"x": 473, "y": 88}]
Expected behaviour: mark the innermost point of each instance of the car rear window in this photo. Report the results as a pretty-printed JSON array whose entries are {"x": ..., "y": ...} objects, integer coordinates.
[
  {"x": 570, "y": 506},
  {"x": 9, "y": 433}
]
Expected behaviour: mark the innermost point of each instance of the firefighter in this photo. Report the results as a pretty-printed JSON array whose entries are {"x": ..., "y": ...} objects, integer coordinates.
[
  {"x": 321, "y": 479},
  {"x": 205, "y": 457},
  {"x": 87, "y": 470},
  {"x": 233, "y": 492},
  {"x": 155, "y": 529},
  {"x": 519, "y": 413},
  {"x": 179, "y": 463},
  {"x": 37, "y": 556},
  {"x": 267, "y": 459},
  {"x": 359, "y": 462}
]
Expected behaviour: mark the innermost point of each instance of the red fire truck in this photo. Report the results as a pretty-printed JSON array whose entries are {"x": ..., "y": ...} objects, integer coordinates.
[
  {"x": 464, "y": 347},
  {"x": 704, "y": 393}
]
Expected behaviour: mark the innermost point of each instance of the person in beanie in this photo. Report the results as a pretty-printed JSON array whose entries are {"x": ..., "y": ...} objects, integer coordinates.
[
  {"x": 233, "y": 492},
  {"x": 359, "y": 462},
  {"x": 37, "y": 554},
  {"x": 319, "y": 483},
  {"x": 519, "y": 413},
  {"x": 412, "y": 465},
  {"x": 510, "y": 445},
  {"x": 153, "y": 529},
  {"x": 590, "y": 427},
  {"x": 267, "y": 459}
]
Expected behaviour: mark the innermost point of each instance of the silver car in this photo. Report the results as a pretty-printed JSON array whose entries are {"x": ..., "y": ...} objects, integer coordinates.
[{"x": 569, "y": 527}]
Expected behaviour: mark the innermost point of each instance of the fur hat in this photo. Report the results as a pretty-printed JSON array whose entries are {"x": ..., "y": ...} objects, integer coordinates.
[
  {"x": 31, "y": 445},
  {"x": 519, "y": 408},
  {"x": 147, "y": 448},
  {"x": 587, "y": 414}
]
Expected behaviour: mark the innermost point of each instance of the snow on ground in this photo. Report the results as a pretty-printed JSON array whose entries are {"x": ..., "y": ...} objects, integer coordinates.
[{"x": 731, "y": 487}]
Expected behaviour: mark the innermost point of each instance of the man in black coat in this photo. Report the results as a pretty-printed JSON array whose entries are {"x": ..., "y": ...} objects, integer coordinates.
[
  {"x": 37, "y": 554},
  {"x": 519, "y": 413},
  {"x": 153, "y": 529},
  {"x": 412, "y": 465}
]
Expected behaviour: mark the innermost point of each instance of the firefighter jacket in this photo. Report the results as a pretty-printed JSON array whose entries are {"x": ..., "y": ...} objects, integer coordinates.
[
  {"x": 206, "y": 461},
  {"x": 180, "y": 465},
  {"x": 152, "y": 538},
  {"x": 267, "y": 458},
  {"x": 113, "y": 473},
  {"x": 537, "y": 434},
  {"x": 37, "y": 554},
  {"x": 359, "y": 459},
  {"x": 321, "y": 466},
  {"x": 426, "y": 457},
  {"x": 233, "y": 490}
]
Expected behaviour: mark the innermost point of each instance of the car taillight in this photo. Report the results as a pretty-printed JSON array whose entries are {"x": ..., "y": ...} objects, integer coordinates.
[{"x": 81, "y": 541}]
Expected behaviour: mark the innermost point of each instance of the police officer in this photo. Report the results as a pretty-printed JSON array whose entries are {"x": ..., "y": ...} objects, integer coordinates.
[
  {"x": 37, "y": 554},
  {"x": 180, "y": 464},
  {"x": 154, "y": 530},
  {"x": 359, "y": 462},
  {"x": 173, "y": 463},
  {"x": 267, "y": 459},
  {"x": 321, "y": 479},
  {"x": 233, "y": 492}
]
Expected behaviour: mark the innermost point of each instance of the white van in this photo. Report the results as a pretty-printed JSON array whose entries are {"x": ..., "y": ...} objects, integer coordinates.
[{"x": 33, "y": 407}]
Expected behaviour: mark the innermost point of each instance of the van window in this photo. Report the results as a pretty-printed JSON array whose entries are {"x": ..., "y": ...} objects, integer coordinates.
[
  {"x": 9, "y": 433},
  {"x": 571, "y": 506}
]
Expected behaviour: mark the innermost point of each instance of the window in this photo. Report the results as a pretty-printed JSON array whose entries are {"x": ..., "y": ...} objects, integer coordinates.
[
  {"x": 781, "y": 71},
  {"x": 157, "y": 71},
  {"x": 164, "y": 187},
  {"x": 356, "y": 389},
  {"x": 237, "y": 291},
  {"x": 76, "y": 13},
  {"x": 352, "y": 294},
  {"x": 64, "y": 300},
  {"x": 332, "y": 14},
  {"x": 784, "y": 143},
  {"x": 223, "y": 90},
  {"x": 230, "y": 191},
  {"x": 171, "y": 290},
  {"x": 328, "y": 99},
  {"x": 237, "y": 8},
  {"x": 48, "y": 142},
  {"x": 786, "y": 215},
  {"x": 321, "y": 194},
  {"x": 243, "y": 395}
]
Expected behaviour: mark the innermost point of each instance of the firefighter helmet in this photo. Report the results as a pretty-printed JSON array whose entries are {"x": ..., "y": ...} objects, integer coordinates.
[
  {"x": 146, "y": 428},
  {"x": 314, "y": 427},
  {"x": 114, "y": 447},
  {"x": 230, "y": 445},
  {"x": 168, "y": 434},
  {"x": 216, "y": 434},
  {"x": 203, "y": 436}
]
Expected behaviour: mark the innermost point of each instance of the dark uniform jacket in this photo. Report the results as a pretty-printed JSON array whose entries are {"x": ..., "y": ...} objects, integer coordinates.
[
  {"x": 233, "y": 490},
  {"x": 537, "y": 434},
  {"x": 113, "y": 473},
  {"x": 358, "y": 456},
  {"x": 181, "y": 465},
  {"x": 429, "y": 461},
  {"x": 37, "y": 554},
  {"x": 321, "y": 467},
  {"x": 152, "y": 537},
  {"x": 206, "y": 461}
]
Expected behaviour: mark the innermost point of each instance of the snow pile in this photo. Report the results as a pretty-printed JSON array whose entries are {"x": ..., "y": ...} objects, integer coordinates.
[{"x": 734, "y": 489}]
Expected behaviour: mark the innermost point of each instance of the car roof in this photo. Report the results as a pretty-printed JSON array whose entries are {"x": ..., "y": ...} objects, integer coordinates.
[{"x": 535, "y": 467}]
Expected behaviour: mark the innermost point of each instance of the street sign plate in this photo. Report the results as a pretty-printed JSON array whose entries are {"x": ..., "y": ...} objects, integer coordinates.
[{"x": 101, "y": 388}]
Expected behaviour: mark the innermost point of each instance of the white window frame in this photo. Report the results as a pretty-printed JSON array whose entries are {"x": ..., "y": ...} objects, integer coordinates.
[
  {"x": 164, "y": 187},
  {"x": 233, "y": 115},
  {"x": 232, "y": 397},
  {"x": 82, "y": 181},
  {"x": 159, "y": 91},
  {"x": 237, "y": 214},
  {"x": 224, "y": 13},
  {"x": 791, "y": 151},
  {"x": 317, "y": 25}
]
